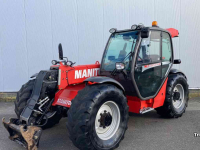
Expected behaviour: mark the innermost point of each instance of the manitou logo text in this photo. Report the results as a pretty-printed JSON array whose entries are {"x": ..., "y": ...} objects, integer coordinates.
[
  {"x": 86, "y": 73},
  {"x": 65, "y": 102}
]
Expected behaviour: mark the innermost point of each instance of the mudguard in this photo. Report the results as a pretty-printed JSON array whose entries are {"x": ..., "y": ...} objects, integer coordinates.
[
  {"x": 100, "y": 79},
  {"x": 174, "y": 71}
]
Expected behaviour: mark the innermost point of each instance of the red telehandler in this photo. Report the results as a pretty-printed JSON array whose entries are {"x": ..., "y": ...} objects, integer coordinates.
[{"x": 135, "y": 75}]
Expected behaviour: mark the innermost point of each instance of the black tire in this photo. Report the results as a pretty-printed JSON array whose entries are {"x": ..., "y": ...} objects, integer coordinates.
[
  {"x": 21, "y": 101},
  {"x": 82, "y": 115},
  {"x": 168, "y": 110}
]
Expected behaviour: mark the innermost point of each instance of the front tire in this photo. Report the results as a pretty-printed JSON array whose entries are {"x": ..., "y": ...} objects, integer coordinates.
[
  {"x": 21, "y": 102},
  {"x": 176, "y": 99},
  {"x": 98, "y": 117}
]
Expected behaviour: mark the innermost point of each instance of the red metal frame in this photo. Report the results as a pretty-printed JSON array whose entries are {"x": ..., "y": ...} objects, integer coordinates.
[
  {"x": 136, "y": 105},
  {"x": 173, "y": 32},
  {"x": 76, "y": 75},
  {"x": 64, "y": 96},
  {"x": 71, "y": 81}
]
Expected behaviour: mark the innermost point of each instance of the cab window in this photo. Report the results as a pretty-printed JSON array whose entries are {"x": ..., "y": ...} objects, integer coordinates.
[
  {"x": 166, "y": 53},
  {"x": 119, "y": 48},
  {"x": 166, "y": 47},
  {"x": 150, "y": 49}
]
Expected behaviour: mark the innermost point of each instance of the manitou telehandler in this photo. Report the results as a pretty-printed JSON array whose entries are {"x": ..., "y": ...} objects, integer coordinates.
[{"x": 135, "y": 75}]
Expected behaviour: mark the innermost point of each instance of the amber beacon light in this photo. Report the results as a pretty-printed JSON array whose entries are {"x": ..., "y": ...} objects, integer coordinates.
[{"x": 154, "y": 23}]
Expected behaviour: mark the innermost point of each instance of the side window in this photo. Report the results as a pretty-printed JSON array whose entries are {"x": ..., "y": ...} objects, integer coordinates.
[
  {"x": 166, "y": 53},
  {"x": 147, "y": 73},
  {"x": 166, "y": 47},
  {"x": 150, "y": 49}
]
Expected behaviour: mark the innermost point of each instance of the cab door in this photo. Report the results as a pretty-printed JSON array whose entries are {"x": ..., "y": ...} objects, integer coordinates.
[
  {"x": 154, "y": 60},
  {"x": 148, "y": 69}
]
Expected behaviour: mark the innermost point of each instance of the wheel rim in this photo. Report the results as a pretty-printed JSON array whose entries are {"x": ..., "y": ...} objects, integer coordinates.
[
  {"x": 178, "y": 96},
  {"x": 107, "y": 120}
]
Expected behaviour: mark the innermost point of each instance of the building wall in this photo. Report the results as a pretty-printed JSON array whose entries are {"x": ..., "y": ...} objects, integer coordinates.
[{"x": 31, "y": 30}]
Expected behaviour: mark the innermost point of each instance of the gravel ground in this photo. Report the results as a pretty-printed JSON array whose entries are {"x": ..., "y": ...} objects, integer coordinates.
[{"x": 146, "y": 132}]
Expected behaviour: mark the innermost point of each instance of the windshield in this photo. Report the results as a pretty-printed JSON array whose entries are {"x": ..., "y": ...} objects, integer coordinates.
[{"x": 119, "y": 46}]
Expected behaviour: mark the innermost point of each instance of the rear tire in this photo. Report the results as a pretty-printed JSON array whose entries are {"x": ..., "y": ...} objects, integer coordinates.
[
  {"x": 90, "y": 130},
  {"x": 175, "y": 107},
  {"x": 21, "y": 102}
]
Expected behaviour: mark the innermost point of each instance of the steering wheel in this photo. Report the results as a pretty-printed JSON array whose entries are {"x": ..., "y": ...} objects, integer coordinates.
[{"x": 141, "y": 59}]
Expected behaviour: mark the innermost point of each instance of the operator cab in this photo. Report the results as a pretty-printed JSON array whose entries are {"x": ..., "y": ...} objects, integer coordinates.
[{"x": 139, "y": 58}]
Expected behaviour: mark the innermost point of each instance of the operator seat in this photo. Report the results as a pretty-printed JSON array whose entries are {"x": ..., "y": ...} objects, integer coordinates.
[{"x": 122, "y": 53}]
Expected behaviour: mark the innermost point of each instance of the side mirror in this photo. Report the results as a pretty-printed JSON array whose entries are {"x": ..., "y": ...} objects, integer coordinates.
[
  {"x": 60, "y": 51},
  {"x": 145, "y": 32},
  {"x": 177, "y": 61},
  {"x": 119, "y": 66}
]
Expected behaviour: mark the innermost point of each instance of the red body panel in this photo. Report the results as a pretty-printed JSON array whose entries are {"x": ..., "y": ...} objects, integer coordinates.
[
  {"x": 173, "y": 32},
  {"x": 77, "y": 74},
  {"x": 160, "y": 98},
  {"x": 68, "y": 90},
  {"x": 64, "y": 96},
  {"x": 136, "y": 105}
]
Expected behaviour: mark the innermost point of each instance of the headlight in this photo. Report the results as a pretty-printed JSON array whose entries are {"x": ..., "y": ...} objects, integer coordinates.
[
  {"x": 133, "y": 27},
  {"x": 69, "y": 63},
  {"x": 54, "y": 62},
  {"x": 113, "y": 30}
]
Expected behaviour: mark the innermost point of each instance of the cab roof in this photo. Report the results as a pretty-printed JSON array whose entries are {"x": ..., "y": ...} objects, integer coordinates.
[{"x": 173, "y": 32}]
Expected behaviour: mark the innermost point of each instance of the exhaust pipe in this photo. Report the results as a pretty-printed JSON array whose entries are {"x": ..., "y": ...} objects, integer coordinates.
[{"x": 27, "y": 136}]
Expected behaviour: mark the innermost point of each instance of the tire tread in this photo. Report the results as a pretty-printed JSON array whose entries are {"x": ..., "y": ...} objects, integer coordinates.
[
  {"x": 166, "y": 110},
  {"x": 81, "y": 109}
]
